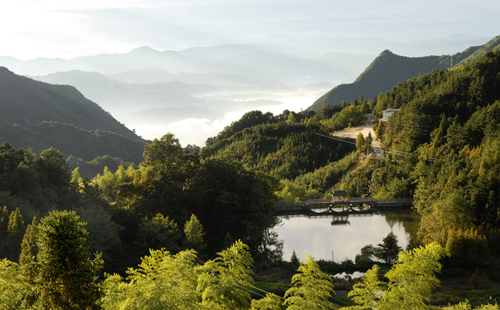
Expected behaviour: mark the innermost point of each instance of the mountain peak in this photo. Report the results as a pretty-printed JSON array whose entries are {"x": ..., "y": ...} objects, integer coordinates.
[
  {"x": 144, "y": 50},
  {"x": 386, "y": 53},
  {"x": 4, "y": 71}
]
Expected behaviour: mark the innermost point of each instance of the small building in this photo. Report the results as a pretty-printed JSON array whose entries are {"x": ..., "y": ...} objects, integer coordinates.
[
  {"x": 339, "y": 194},
  {"x": 386, "y": 114}
]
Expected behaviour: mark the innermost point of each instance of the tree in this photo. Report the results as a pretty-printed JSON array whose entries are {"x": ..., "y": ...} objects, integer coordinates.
[
  {"x": 28, "y": 245},
  {"x": 380, "y": 130},
  {"x": 166, "y": 152},
  {"x": 368, "y": 142},
  {"x": 66, "y": 277},
  {"x": 439, "y": 133},
  {"x": 4, "y": 223},
  {"x": 223, "y": 281},
  {"x": 291, "y": 118},
  {"x": 165, "y": 281},
  {"x": 162, "y": 226},
  {"x": 410, "y": 282},
  {"x": 294, "y": 260},
  {"x": 53, "y": 169},
  {"x": 270, "y": 302},
  {"x": 104, "y": 233},
  {"x": 365, "y": 258},
  {"x": 311, "y": 288},
  {"x": 14, "y": 291},
  {"x": 368, "y": 292},
  {"x": 75, "y": 178},
  {"x": 466, "y": 306},
  {"x": 360, "y": 142},
  {"x": 161, "y": 281},
  {"x": 388, "y": 250},
  {"x": 363, "y": 109},
  {"x": 229, "y": 199},
  {"x": 15, "y": 232},
  {"x": 193, "y": 232}
]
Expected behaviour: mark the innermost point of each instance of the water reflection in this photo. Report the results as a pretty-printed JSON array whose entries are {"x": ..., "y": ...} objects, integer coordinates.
[{"x": 341, "y": 237}]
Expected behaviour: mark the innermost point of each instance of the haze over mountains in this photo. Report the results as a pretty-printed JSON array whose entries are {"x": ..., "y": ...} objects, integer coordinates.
[
  {"x": 40, "y": 116},
  {"x": 195, "y": 92}
]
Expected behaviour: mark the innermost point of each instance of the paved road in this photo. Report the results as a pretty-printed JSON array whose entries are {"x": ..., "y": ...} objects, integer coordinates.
[{"x": 366, "y": 128}]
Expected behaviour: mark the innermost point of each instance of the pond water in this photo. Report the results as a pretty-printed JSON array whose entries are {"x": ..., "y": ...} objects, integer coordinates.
[{"x": 329, "y": 237}]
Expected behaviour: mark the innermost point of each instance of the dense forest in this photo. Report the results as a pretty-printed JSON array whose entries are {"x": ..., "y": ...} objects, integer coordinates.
[
  {"x": 196, "y": 221},
  {"x": 445, "y": 141}
]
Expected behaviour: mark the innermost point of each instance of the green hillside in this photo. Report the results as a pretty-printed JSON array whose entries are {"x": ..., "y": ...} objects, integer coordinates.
[
  {"x": 444, "y": 152},
  {"x": 478, "y": 51},
  {"x": 291, "y": 147},
  {"x": 445, "y": 145},
  {"x": 40, "y": 116},
  {"x": 388, "y": 70}
]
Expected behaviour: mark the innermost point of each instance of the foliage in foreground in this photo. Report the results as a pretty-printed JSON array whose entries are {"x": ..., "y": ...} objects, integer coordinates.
[
  {"x": 410, "y": 283},
  {"x": 61, "y": 275}
]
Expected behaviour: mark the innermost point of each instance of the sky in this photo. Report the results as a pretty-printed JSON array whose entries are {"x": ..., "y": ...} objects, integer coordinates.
[{"x": 71, "y": 28}]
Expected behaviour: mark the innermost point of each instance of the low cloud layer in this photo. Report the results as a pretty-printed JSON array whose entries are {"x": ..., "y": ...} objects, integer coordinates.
[{"x": 197, "y": 130}]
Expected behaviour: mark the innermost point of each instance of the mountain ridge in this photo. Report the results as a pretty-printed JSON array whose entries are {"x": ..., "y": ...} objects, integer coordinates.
[
  {"x": 388, "y": 70},
  {"x": 41, "y": 115}
]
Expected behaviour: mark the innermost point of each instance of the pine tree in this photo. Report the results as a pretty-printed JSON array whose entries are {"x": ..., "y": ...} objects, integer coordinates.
[
  {"x": 368, "y": 141},
  {"x": 75, "y": 178},
  {"x": 15, "y": 232},
  {"x": 294, "y": 260},
  {"x": 440, "y": 133},
  {"x": 66, "y": 276},
  {"x": 193, "y": 231},
  {"x": 28, "y": 245},
  {"x": 380, "y": 130},
  {"x": 388, "y": 250},
  {"x": 4, "y": 223},
  {"x": 360, "y": 142}
]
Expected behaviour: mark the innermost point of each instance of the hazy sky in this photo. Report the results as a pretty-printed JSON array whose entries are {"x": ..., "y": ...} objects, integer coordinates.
[{"x": 69, "y": 28}]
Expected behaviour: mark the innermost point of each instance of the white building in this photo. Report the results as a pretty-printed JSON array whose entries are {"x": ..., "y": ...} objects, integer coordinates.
[{"x": 387, "y": 113}]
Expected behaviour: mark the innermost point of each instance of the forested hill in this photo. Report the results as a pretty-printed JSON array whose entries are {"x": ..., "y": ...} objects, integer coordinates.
[
  {"x": 40, "y": 116},
  {"x": 389, "y": 69},
  {"x": 446, "y": 144}
]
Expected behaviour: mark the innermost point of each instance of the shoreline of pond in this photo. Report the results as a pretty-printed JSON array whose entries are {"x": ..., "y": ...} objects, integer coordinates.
[{"x": 339, "y": 238}]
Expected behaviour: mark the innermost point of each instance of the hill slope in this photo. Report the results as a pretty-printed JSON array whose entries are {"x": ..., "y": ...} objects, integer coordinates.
[
  {"x": 388, "y": 70},
  {"x": 41, "y": 115}
]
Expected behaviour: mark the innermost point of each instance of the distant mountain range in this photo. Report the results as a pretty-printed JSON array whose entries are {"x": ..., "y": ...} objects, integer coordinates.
[
  {"x": 388, "y": 70},
  {"x": 114, "y": 95},
  {"x": 250, "y": 62},
  {"x": 40, "y": 115},
  {"x": 195, "y": 92}
]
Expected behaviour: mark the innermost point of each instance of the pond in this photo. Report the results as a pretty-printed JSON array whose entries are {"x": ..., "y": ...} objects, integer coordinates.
[{"x": 330, "y": 237}]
